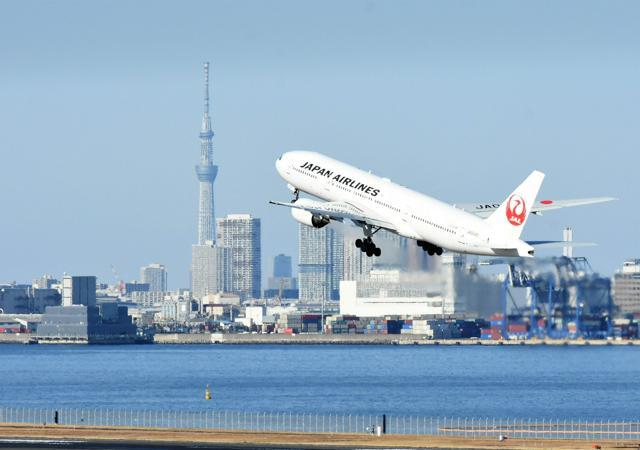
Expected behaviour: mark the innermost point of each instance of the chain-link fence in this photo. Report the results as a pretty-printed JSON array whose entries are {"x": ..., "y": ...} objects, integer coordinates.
[{"x": 471, "y": 428}]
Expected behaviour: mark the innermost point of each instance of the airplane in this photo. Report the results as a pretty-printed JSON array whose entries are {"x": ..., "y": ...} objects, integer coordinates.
[{"x": 375, "y": 203}]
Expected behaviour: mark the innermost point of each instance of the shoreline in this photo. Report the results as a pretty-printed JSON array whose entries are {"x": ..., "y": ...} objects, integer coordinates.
[{"x": 327, "y": 339}]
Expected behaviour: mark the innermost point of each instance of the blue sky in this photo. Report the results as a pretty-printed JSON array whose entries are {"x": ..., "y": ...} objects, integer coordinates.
[{"x": 100, "y": 106}]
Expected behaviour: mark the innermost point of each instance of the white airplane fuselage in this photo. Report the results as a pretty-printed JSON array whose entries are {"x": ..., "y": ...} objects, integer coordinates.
[{"x": 414, "y": 215}]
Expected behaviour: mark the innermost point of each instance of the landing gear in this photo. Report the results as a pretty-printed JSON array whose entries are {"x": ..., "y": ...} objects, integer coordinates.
[
  {"x": 367, "y": 246},
  {"x": 296, "y": 195},
  {"x": 430, "y": 248}
]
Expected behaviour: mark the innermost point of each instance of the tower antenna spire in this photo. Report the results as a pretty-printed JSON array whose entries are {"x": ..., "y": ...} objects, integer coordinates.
[{"x": 206, "y": 88}]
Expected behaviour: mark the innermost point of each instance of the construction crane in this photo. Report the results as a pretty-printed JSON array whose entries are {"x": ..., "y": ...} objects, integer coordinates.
[{"x": 119, "y": 283}]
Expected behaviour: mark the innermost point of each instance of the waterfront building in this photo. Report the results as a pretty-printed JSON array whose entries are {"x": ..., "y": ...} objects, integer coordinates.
[
  {"x": 84, "y": 319},
  {"x": 106, "y": 323},
  {"x": 626, "y": 287},
  {"x": 321, "y": 262},
  {"x": 27, "y": 300},
  {"x": 79, "y": 290},
  {"x": 155, "y": 275},
  {"x": 210, "y": 269},
  {"x": 452, "y": 291},
  {"x": 240, "y": 234}
]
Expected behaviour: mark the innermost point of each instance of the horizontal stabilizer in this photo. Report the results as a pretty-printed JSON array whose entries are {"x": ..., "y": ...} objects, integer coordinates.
[
  {"x": 484, "y": 209},
  {"x": 560, "y": 244}
]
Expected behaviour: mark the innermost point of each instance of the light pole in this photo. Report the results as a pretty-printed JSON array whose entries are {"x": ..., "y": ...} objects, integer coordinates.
[{"x": 324, "y": 296}]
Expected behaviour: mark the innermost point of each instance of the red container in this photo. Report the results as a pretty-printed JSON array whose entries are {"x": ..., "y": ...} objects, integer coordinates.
[{"x": 288, "y": 331}]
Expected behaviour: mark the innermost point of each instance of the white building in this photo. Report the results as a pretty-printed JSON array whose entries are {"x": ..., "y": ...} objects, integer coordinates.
[
  {"x": 155, "y": 275},
  {"x": 240, "y": 233},
  {"x": 453, "y": 290},
  {"x": 392, "y": 292},
  {"x": 254, "y": 314}
]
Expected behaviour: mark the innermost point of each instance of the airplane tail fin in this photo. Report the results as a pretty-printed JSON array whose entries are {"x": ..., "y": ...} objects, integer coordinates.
[{"x": 510, "y": 217}]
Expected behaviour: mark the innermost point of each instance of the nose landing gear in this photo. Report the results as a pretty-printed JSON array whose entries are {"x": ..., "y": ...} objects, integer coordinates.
[{"x": 367, "y": 246}]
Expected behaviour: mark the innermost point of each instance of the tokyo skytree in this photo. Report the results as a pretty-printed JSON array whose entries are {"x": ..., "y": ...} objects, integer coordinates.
[{"x": 206, "y": 172}]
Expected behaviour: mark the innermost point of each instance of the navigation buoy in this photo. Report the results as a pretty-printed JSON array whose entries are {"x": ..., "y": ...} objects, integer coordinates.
[{"x": 207, "y": 393}]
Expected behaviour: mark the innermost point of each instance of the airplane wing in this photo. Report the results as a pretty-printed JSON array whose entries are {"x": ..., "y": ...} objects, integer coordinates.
[
  {"x": 485, "y": 209},
  {"x": 338, "y": 211}
]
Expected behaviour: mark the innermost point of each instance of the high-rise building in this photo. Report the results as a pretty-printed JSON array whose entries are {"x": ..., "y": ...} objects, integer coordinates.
[
  {"x": 282, "y": 266},
  {"x": 206, "y": 172},
  {"x": 626, "y": 287},
  {"x": 357, "y": 265},
  {"x": 282, "y": 280},
  {"x": 79, "y": 290},
  {"x": 321, "y": 263},
  {"x": 240, "y": 233},
  {"x": 155, "y": 275},
  {"x": 210, "y": 270}
]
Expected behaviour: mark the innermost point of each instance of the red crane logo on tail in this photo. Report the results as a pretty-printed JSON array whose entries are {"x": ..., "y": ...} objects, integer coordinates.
[{"x": 516, "y": 210}]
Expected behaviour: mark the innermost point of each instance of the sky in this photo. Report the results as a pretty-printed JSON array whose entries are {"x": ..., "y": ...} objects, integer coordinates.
[{"x": 101, "y": 102}]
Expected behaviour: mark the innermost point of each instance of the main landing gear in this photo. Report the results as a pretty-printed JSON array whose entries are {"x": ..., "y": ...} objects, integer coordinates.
[
  {"x": 367, "y": 246},
  {"x": 430, "y": 248},
  {"x": 296, "y": 195}
]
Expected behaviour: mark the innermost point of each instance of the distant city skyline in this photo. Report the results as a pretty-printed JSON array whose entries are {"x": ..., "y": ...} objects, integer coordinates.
[{"x": 100, "y": 118}]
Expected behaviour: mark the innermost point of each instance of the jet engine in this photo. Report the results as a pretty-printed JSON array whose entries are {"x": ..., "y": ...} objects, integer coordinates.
[{"x": 309, "y": 219}]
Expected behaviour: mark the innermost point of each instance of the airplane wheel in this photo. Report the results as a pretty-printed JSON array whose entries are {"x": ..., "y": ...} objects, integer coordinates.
[
  {"x": 377, "y": 251},
  {"x": 430, "y": 251},
  {"x": 369, "y": 253},
  {"x": 359, "y": 243},
  {"x": 439, "y": 251}
]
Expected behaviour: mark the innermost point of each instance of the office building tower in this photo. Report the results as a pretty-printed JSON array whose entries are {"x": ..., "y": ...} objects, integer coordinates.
[
  {"x": 210, "y": 270},
  {"x": 321, "y": 261},
  {"x": 240, "y": 234},
  {"x": 626, "y": 287},
  {"x": 79, "y": 290},
  {"x": 282, "y": 266},
  {"x": 281, "y": 279},
  {"x": 155, "y": 275},
  {"x": 357, "y": 265}
]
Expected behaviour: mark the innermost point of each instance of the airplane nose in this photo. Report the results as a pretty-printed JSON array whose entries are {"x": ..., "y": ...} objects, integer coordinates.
[{"x": 280, "y": 164}]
